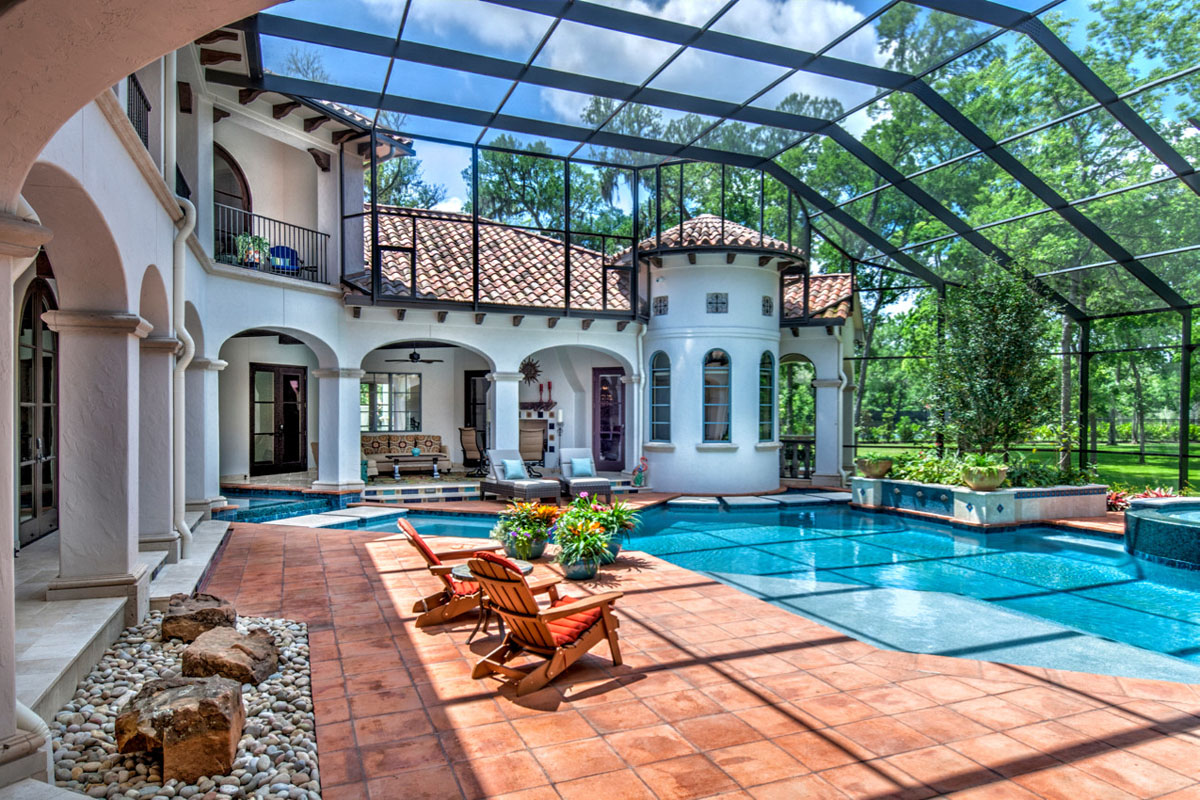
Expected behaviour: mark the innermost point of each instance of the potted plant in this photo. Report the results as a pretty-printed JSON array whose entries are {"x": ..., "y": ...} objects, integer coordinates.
[
  {"x": 618, "y": 519},
  {"x": 523, "y": 529},
  {"x": 983, "y": 472},
  {"x": 873, "y": 465},
  {"x": 253, "y": 250}
]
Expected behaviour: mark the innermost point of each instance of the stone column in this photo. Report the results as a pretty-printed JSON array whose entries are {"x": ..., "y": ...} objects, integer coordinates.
[
  {"x": 848, "y": 426},
  {"x": 340, "y": 452},
  {"x": 633, "y": 420},
  {"x": 98, "y": 459},
  {"x": 156, "y": 529},
  {"x": 19, "y": 757},
  {"x": 506, "y": 410},
  {"x": 829, "y": 438},
  {"x": 202, "y": 427}
]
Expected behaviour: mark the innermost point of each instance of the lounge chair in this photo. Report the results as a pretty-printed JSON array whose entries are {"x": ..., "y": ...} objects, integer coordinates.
[
  {"x": 521, "y": 489},
  {"x": 531, "y": 441},
  {"x": 561, "y": 633},
  {"x": 572, "y": 486},
  {"x": 456, "y": 597}
]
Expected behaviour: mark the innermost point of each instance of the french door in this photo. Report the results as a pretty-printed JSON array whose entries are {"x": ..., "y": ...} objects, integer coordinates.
[
  {"x": 608, "y": 418},
  {"x": 278, "y": 419},
  {"x": 37, "y": 417}
]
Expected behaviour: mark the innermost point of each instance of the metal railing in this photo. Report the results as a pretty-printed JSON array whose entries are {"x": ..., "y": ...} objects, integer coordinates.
[
  {"x": 260, "y": 243},
  {"x": 137, "y": 108}
]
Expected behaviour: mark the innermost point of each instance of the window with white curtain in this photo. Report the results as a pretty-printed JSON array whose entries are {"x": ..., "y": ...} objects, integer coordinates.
[{"x": 717, "y": 382}]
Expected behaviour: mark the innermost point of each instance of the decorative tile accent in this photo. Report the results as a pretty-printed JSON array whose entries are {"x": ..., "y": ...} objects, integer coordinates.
[
  {"x": 661, "y": 305},
  {"x": 1000, "y": 508},
  {"x": 717, "y": 303},
  {"x": 970, "y": 506}
]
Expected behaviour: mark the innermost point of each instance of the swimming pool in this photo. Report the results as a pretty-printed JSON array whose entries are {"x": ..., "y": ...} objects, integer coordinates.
[{"x": 1037, "y": 596}]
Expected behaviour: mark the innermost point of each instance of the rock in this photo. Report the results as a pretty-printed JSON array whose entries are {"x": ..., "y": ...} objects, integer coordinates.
[
  {"x": 196, "y": 722},
  {"x": 246, "y": 658},
  {"x": 188, "y": 616}
]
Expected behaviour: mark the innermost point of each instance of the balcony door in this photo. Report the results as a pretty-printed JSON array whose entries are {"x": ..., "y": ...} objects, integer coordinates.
[
  {"x": 278, "y": 419},
  {"x": 608, "y": 418},
  {"x": 37, "y": 417}
]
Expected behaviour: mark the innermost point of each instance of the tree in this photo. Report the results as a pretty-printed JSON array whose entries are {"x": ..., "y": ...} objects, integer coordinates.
[
  {"x": 990, "y": 386},
  {"x": 301, "y": 62}
]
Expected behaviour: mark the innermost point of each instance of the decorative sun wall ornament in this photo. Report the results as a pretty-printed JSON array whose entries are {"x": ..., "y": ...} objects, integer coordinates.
[{"x": 530, "y": 369}]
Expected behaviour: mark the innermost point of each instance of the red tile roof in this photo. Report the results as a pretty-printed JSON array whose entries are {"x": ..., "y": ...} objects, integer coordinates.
[
  {"x": 709, "y": 230},
  {"x": 516, "y": 266},
  {"x": 521, "y": 267},
  {"x": 829, "y": 296}
]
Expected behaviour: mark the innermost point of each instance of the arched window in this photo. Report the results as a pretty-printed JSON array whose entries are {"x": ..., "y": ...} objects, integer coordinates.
[
  {"x": 230, "y": 187},
  {"x": 766, "y": 398},
  {"x": 660, "y": 397},
  {"x": 717, "y": 373}
]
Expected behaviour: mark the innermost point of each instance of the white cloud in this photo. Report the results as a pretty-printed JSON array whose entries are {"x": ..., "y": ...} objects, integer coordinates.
[{"x": 456, "y": 204}]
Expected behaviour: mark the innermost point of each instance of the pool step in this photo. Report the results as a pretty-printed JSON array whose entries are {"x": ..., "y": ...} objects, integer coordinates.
[{"x": 458, "y": 491}]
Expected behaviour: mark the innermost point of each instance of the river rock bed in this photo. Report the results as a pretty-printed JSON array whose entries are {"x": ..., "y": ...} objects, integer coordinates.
[{"x": 277, "y": 755}]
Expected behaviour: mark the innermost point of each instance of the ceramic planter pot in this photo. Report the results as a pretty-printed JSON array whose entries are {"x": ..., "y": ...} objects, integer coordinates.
[
  {"x": 535, "y": 552},
  {"x": 581, "y": 570},
  {"x": 873, "y": 468},
  {"x": 984, "y": 479},
  {"x": 614, "y": 548}
]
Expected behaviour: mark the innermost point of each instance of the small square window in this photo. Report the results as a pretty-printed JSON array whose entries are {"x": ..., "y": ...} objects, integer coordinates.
[
  {"x": 660, "y": 306},
  {"x": 718, "y": 303},
  {"x": 768, "y": 305}
]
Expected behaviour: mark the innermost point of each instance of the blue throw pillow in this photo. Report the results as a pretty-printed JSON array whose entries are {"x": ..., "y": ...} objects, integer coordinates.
[
  {"x": 582, "y": 468},
  {"x": 514, "y": 469}
]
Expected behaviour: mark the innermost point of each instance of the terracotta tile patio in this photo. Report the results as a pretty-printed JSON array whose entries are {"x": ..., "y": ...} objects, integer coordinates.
[{"x": 720, "y": 695}]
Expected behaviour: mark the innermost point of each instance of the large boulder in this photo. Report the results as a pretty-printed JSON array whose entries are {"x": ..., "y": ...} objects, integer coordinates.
[
  {"x": 189, "y": 615},
  {"x": 195, "y": 722},
  {"x": 244, "y": 657}
]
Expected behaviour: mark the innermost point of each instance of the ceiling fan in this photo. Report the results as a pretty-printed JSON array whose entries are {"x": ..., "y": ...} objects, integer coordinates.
[{"x": 415, "y": 358}]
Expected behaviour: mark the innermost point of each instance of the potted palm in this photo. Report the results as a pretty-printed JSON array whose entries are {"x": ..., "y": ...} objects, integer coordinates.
[
  {"x": 873, "y": 465},
  {"x": 984, "y": 472},
  {"x": 523, "y": 529}
]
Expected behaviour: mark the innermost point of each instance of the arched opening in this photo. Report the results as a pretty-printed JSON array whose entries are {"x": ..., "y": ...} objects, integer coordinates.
[
  {"x": 269, "y": 409},
  {"x": 718, "y": 374},
  {"x": 660, "y": 397},
  {"x": 797, "y": 415},
  {"x": 423, "y": 410},
  {"x": 37, "y": 410},
  {"x": 232, "y": 217},
  {"x": 155, "y": 465},
  {"x": 574, "y": 396}
]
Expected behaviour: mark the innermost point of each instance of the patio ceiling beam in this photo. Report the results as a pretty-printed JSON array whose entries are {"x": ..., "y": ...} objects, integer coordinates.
[
  {"x": 1004, "y": 17},
  {"x": 425, "y": 108}
]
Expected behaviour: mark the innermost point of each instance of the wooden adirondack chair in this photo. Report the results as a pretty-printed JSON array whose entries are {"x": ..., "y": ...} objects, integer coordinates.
[
  {"x": 456, "y": 597},
  {"x": 561, "y": 633}
]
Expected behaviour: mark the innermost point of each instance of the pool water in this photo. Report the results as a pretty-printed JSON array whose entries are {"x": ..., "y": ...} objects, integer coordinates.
[
  {"x": 1185, "y": 514},
  {"x": 1039, "y": 596}
]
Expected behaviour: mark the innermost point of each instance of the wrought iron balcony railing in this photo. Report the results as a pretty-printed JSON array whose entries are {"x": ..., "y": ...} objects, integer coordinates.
[
  {"x": 260, "y": 243},
  {"x": 137, "y": 107}
]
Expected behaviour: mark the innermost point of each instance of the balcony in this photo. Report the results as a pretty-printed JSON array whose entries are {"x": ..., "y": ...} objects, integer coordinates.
[
  {"x": 260, "y": 243},
  {"x": 137, "y": 107}
]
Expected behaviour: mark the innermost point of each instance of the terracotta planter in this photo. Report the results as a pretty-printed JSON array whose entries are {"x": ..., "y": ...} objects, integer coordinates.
[
  {"x": 983, "y": 479},
  {"x": 871, "y": 468}
]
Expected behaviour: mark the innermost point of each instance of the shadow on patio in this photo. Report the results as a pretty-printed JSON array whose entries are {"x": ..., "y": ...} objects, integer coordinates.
[{"x": 720, "y": 693}]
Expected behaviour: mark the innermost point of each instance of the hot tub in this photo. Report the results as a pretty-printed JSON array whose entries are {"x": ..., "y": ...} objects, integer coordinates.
[{"x": 1165, "y": 530}]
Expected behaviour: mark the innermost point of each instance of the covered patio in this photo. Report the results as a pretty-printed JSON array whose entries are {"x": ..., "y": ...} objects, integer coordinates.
[{"x": 720, "y": 694}]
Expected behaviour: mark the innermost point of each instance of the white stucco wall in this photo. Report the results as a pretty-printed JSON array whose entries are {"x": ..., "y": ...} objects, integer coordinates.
[
  {"x": 283, "y": 179},
  {"x": 686, "y": 333}
]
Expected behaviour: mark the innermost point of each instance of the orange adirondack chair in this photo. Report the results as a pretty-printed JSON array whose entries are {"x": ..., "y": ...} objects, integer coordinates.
[
  {"x": 561, "y": 633},
  {"x": 456, "y": 597}
]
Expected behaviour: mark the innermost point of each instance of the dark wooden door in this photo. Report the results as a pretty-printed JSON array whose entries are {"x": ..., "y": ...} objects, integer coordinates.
[
  {"x": 278, "y": 419},
  {"x": 475, "y": 387},
  {"x": 608, "y": 418},
  {"x": 37, "y": 417}
]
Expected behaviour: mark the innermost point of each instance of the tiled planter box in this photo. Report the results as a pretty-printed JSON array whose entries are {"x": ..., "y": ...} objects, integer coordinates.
[{"x": 1001, "y": 507}]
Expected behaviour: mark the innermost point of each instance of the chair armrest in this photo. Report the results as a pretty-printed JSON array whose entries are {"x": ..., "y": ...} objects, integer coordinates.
[
  {"x": 586, "y": 603},
  {"x": 545, "y": 584},
  {"x": 467, "y": 552},
  {"x": 441, "y": 569}
]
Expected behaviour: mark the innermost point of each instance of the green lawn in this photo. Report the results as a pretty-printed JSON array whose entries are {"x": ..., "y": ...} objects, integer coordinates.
[{"x": 1122, "y": 468}]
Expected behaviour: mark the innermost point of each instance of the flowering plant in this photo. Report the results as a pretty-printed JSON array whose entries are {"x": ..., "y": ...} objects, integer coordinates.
[
  {"x": 585, "y": 528},
  {"x": 523, "y": 526},
  {"x": 1118, "y": 500}
]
